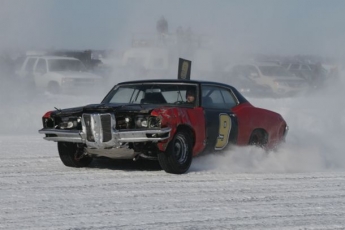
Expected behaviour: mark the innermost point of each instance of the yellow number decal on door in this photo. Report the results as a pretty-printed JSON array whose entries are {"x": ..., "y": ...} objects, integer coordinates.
[{"x": 224, "y": 131}]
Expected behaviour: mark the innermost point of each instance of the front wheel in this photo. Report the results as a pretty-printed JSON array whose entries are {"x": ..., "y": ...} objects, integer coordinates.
[
  {"x": 72, "y": 155},
  {"x": 178, "y": 156}
]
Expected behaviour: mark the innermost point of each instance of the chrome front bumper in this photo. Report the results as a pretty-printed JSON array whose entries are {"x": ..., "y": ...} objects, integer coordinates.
[{"x": 99, "y": 133}]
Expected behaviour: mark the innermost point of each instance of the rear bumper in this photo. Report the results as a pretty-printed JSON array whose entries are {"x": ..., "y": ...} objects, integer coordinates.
[{"x": 286, "y": 132}]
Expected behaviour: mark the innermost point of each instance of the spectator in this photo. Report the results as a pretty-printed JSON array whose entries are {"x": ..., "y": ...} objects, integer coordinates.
[{"x": 162, "y": 26}]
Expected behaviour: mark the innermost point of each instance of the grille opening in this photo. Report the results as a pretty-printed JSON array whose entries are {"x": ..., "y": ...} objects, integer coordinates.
[
  {"x": 89, "y": 135},
  {"x": 106, "y": 127}
]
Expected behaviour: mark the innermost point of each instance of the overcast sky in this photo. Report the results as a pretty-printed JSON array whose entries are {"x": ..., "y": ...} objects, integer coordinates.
[{"x": 268, "y": 26}]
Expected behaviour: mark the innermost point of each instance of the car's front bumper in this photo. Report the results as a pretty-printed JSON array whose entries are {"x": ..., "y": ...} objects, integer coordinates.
[
  {"x": 101, "y": 138},
  {"x": 78, "y": 136}
]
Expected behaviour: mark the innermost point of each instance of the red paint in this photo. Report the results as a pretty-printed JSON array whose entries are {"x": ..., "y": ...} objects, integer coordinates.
[
  {"x": 47, "y": 114},
  {"x": 191, "y": 117},
  {"x": 250, "y": 118}
]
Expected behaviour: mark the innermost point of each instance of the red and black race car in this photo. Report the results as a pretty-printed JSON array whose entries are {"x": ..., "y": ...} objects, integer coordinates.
[{"x": 167, "y": 120}]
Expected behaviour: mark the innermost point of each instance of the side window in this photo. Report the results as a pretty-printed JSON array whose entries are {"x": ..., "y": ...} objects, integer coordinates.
[
  {"x": 305, "y": 67},
  {"x": 41, "y": 66},
  {"x": 206, "y": 100},
  {"x": 30, "y": 64},
  {"x": 217, "y": 97},
  {"x": 228, "y": 98}
]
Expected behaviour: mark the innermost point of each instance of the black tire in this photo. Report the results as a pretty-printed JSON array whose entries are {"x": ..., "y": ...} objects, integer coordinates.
[
  {"x": 53, "y": 87},
  {"x": 258, "y": 138},
  {"x": 73, "y": 156},
  {"x": 178, "y": 156}
]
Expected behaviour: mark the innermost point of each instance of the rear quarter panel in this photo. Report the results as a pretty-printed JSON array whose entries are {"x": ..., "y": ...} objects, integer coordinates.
[{"x": 251, "y": 118}]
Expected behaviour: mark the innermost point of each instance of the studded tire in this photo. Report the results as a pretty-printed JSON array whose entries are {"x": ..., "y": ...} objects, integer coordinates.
[
  {"x": 178, "y": 156},
  {"x": 73, "y": 156}
]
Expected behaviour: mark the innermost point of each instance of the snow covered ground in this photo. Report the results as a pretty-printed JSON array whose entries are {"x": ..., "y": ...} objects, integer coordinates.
[{"x": 301, "y": 186}]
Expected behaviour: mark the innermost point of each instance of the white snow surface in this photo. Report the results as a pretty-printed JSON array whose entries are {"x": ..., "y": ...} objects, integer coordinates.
[{"x": 299, "y": 186}]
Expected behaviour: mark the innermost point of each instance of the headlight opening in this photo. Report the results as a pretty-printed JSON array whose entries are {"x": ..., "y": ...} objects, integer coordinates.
[{"x": 147, "y": 122}]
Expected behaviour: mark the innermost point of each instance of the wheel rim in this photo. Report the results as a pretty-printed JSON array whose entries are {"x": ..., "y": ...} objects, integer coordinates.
[{"x": 180, "y": 149}]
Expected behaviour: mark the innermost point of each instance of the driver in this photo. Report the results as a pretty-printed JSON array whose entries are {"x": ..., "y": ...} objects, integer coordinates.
[{"x": 190, "y": 95}]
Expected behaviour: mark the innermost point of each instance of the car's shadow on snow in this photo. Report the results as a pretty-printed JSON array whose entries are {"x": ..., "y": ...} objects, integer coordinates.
[{"x": 126, "y": 165}]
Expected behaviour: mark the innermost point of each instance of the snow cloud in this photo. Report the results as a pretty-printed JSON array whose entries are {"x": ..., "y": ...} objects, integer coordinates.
[{"x": 315, "y": 141}]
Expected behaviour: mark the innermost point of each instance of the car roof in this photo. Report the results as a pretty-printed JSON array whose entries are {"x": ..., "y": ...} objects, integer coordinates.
[
  {"x": 52, "y": 57},
  {"x": 175, "y": 81},
  {"x": 239, "y": 96},
  {"x": 60, "y": 57}
]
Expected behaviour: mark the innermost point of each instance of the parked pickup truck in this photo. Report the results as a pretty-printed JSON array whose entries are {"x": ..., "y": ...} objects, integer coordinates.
[{"x": 57, "y": 74}]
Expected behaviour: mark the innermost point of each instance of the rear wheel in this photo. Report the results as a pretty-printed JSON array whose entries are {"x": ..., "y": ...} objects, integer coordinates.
[
  {"x": 178, "y": 156},
  {"x": 72, "y": 155},
  {"x": 258, "y": 138}
]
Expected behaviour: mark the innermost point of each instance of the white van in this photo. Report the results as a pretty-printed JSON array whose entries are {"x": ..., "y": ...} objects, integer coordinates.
[{"x": 57, "y": 74}]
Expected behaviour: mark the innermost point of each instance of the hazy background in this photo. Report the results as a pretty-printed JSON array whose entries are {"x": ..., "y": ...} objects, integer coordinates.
[
  {"x": 316, "y": 137},
  {"x": 271, "y": 26}
]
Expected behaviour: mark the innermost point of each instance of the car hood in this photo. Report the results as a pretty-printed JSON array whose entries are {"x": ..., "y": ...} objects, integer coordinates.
[{"x": 106, "y": 108}]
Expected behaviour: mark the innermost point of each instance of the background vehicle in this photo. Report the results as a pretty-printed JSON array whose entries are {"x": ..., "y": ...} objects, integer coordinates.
[
  {"x": 57, "y": 74},
  {"x": 151, "y": 119},
  {"x": 314, "y": 74},
  {"x": 268, "y": 78}
]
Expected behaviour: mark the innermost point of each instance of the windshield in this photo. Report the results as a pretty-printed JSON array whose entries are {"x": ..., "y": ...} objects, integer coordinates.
[
  {"x": 275, "y": 71},
  {"x": 153, "y": 93},
  {"x": 65, "y": 65}
]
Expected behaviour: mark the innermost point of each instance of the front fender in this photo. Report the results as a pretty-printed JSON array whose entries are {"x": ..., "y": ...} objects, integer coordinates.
[{"x": 177, "y": 116}]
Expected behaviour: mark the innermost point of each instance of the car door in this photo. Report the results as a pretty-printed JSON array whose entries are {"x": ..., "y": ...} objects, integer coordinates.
[
  {"x": 40, "y": 71},
  {"x": 254, "y": 75},
  {"x": 221, "y": 122},
  {"x": 27, "y": 69}
]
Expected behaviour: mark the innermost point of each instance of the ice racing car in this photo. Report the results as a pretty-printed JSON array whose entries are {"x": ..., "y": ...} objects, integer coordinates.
[{"x": 166, "y": 120}]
